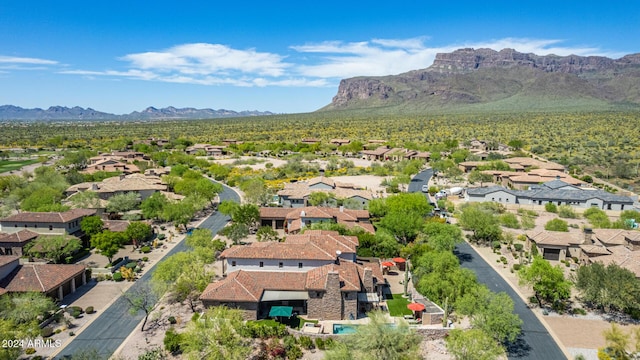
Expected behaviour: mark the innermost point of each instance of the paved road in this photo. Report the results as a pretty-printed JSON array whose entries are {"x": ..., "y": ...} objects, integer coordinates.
[
  {"x": 535, "y": 341},
  {"x": 422, "y": 178},
  {"x": 115, "y": 323}
]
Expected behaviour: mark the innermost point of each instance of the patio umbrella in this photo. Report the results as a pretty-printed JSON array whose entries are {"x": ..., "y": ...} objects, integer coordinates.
[
  {"x": 387, "y": 264},
  {"x": 416, "y": 307},
  {"x": 399, "y": 260}
]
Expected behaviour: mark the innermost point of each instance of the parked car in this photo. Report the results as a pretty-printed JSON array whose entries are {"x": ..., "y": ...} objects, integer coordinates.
[{"x": 425, "y": 188}]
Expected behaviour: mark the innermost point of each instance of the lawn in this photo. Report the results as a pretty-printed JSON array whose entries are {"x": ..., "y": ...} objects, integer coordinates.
[
  {"x": 398, "y": 306},
  {"x": 7, "y": 165}
]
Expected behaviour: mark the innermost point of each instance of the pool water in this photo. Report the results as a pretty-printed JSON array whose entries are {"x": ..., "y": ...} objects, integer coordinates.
[{"x": 342, "y": 329}]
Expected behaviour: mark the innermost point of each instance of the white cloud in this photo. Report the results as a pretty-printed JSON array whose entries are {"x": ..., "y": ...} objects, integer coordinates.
[
  {"x": 317, "y": 64},
  {"x": 25, "y": 60}
]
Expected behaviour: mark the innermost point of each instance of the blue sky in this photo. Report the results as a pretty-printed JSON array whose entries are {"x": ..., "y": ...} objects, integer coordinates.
[{"x": 120, "y": 56}]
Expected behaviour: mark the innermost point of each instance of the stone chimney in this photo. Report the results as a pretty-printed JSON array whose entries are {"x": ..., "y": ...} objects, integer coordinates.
[
  {"x": 341, "y": 208},
  {"x": 333, "y": 297},
  {"x": 94, "y": 187},
  {"x": 367, "y": 280},
  {"x": 588, "y": 236},
  {"x": 122, "y": 176}
]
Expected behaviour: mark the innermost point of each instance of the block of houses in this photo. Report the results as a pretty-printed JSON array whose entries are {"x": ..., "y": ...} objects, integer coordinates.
[
  {"x": 122, "y": 156},
  {"x": 530, "y": 163},
  {"x": 47, "y": 223},
  {"x": 339, "y": 142},
  {"x": 14, "y": 243},
  {"x": 208, "y": 150},
  {"x": 607, "y": 246},
  {"x": 297, "y": 194},
  {"x": 143, "y": 185},
  {"x": 315, "y": 273},
  {"x": 54, "y": 280},
  {"x": 556, "y": 191},
  {"x": 111, "y": 165},
  {"x": 295, "y": 220}
]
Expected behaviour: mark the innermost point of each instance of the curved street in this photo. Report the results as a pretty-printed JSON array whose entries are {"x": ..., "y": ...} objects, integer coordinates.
[
  {"x": 114, "y": 324},
  {"x": 535, "y": 342}
]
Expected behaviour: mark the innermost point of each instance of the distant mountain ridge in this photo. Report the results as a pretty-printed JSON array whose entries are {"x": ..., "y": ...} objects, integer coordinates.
[
  {"x": 505, "y": 79},
  {"x": 54, "y": 113}
]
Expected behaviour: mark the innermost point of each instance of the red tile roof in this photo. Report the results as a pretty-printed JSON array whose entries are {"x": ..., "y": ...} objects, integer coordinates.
[
  {"x": 50, "y": 217},
  {"x": 40, "y": 277},
  {"x": 116, "y": 225},
  {"x": 278, "y": 250},
  {"x": 18, "y": 237},
  {"x": 248, "y": 286}
]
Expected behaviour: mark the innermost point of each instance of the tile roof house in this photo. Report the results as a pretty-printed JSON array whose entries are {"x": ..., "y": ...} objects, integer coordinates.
[
  {"x": 53, "y": 280},
  {"x": 297, "y": 194},
  {"x": 555, "y": 191},
  {"x": 208, "y": 150},
  {"x": 294, "y": 220},
  {"x": 144, "y": 185},
  {"x": 14, "y": 243},
  {"x": 111, "y": 165},
  {"x": 328, "y": 292},
  {"x": 122, "y": 156},
  {"x": 48, "y": 223}
]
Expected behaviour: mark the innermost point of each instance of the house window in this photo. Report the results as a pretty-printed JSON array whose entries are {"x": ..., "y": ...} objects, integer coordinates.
[
  {"x": 50, "y": 227},
  {"x": 280, "y": 264},
  {"x": 35, "y": 226},
  {"x": 25, "y": 226},
  {"x": 15, "y": 225},
  {"x": 261, "y": 263},
  {"x": 233, "y": 263},
  {"x": 299, "y": 265}
]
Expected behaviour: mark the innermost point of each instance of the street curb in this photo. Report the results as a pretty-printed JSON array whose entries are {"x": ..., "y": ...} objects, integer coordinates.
[{"x": 517, "y": 291}]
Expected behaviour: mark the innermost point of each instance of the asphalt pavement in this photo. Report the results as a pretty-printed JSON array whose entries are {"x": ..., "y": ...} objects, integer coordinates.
[
  {"x": 535, "y": 342},
  {"x": 115, "y": 323}
]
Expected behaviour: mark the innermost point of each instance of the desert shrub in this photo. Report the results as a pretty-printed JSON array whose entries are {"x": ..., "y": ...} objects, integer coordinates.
[
  {"x": 131, "y": 265},
  {"x": 503, "y": 259},
  {"x": 509, "y": 220},
  {"x": 527, "y": 222},
  {"x": 320, "y": 342},
  {"x": 516, "y": 267},
  {"x": 172, "y": 320},
  {"x": 306, "y": 342},
  {"x": 496, "y": 244},
  {"x": 551, "y": 207},
  {"x": 30, "y": 351},
  {"x": 161, "y": 236},
  {"x": 89, "y": 310},
  {"x": 518, "y": 247},
  {"x": 264, "y": 329},
  {"x": 71, "y": 333},
  {"x": 195, "y": 317},
  {"x": 294, "y": 353},
  {"x": 145, "y": 259},
  {"x": 46, "y": 331},
  {"x": 117, "y": 277},
  {"x": 556, "y": 225},
  {"x": 145, "y": 249},
  {"x": 579, "y": 311},
  {"x": 567, "y": 212},
  {"x": 526, "y": 212},
  {"x": 172, "y": 340}
]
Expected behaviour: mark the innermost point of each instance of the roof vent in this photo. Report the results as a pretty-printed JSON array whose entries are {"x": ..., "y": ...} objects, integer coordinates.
[{"x": 302, "y": 213}]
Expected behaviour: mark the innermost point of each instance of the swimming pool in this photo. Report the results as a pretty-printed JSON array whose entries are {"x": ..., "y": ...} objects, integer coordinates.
[{"x": 343, "y": 329}]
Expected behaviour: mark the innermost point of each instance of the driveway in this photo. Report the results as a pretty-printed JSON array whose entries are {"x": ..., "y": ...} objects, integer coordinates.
[
  {"x": 114, "y": 324},
  {"x": 535, "y": 342}
]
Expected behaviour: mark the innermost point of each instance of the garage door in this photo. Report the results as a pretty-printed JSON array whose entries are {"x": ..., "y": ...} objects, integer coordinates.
[{"x": 552, "y": 254}]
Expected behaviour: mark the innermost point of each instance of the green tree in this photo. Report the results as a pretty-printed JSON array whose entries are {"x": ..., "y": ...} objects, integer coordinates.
[
  {"x": 442, "y": 237},
  {"x": 617, "y": 343},
  {"x": 477, "y": 176},
  {"x": 56, "y": 248},
  {"x": 180, "y": 213},
  {"x": 548, "y": 282},
  {"x": 266, "y": 233},
  {"x": 142, "y": 297},
  {"x": 492, "y": 313},
  {"x": 473, "y": 344},
  {"x": 235, "y": 232},
  {"x": 25, "y": 308},
  {"x": 153, "y": 206},
  {"x": 45, "y": 199},
  {"x": 138, "y": 232},
  {"x": 556, "y": 225},
  {"x": 256, "y": 191},
  {"x": 199, "y": 238},
  {"x": 551, "y": 207},
  {"x": 482, "y": 223},
  {"x": 91, "y": 225},
  {"x": 319, "y": 198},
  {"x": 610, "y": 288},
  {"x": 108, "y": 243},
  {"x": 217, "y": 336},
  {"x": 85, "y": 200},
  {"x": 121, "y": 203},
  {"x": 378, "y": 340},
  {"x": 597, "y": 218},
  {"x": 404, "y": 215}
]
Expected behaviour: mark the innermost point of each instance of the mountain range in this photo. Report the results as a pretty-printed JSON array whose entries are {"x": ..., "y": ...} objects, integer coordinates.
[
  {"x": 55, "y": 113},
  {"x": 485, "y": 79}
]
